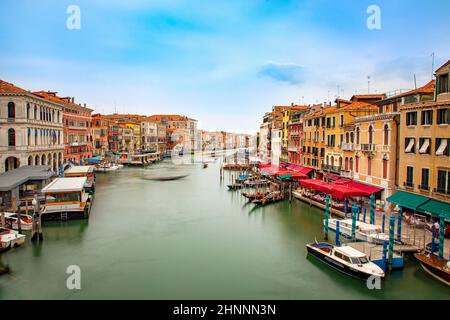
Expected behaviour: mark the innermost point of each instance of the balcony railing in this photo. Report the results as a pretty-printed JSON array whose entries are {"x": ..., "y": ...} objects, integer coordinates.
[
  {"x": 347, "y": 174},
  {"x": 347, "y": 146},
  {"x": 327, "y": 167},
  {"x": 368, "y": 147}
]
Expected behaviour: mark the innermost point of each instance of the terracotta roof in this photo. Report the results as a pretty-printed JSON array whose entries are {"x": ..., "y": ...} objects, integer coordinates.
[
  {"x": 428, "y": 88},
  {"x": 168, "y": 117},
  {"x": 6, "y": 87},
  {"x": 359, "y": 105},
  {"x": 357, "y": 97},
  {"x": 52, "y": 96},
  {"x": 443, "y": 66}
]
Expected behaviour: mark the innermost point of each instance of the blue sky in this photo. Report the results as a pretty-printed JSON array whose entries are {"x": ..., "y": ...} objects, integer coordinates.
[{"x": 223, "y": 62}]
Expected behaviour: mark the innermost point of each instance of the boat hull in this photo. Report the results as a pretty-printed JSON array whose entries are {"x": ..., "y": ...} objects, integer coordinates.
[
  {"x": 336, "y": 264},
  {"x": 434, "y": 267}
]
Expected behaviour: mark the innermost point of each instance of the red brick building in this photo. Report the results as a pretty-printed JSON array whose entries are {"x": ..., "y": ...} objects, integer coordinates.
[{"x": 76, "y": 127}]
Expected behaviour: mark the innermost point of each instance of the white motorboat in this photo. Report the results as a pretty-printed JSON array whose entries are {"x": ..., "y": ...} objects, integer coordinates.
[
  {"x": 26, "y": 221},
  {"x": 364, "y": 231},
  {"x": 11, "y": 238},
  {"x": 107, "y": 167},
  {"x": 345, "y": 259}
]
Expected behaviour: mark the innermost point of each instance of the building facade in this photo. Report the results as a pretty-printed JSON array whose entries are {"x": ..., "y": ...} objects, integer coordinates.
[{"x": 31, "y": 129}]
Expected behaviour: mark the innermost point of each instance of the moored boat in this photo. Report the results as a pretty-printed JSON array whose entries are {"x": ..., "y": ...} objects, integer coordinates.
[
  {"x": 10, "y": 238},
  {"x": 253, "y": 196},
  {"x": 363, "y": 231},
  {"x": 26, "y": 221},
  {"x": 235, "y": 186},
  {"x": 345, "y": 259},
  {"x": 437, "y": 267}
]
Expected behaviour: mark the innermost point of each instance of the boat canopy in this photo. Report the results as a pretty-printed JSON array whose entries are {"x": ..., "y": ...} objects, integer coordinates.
[
  {"x": 65, "y": 185},
  {"x": 351, "y": 252},
  {"x": 93, "y": 160}
]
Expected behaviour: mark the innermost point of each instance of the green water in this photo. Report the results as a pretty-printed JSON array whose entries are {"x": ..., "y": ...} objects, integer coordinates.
[{"x": 190, "y": 239}]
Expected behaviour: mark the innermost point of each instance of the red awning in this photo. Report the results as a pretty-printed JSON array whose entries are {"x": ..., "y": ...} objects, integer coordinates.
[
  {"x": 297, "y": 168},
  {"x": 317, "y": 185},
  {"x": 365, "y": 188},
  {"x": 342, "y": 191},
  {"x": 263, "y": 165}
]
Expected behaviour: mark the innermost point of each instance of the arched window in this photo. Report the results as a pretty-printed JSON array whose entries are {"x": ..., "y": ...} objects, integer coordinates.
[
  {"x": 385, "y": 164},
  {"x": 369, "y": 166},
  {"x": 352, "y": 137},
  {"x": 28, "y": 111},
  {"x": 43, "y": 159},
  {"x": 35, "y": 112},
  {"x": 36, "y": 160},
  {"x": 357, "y": 135},
  {"x": 11, "y": 137},
  {"x": 346, "y": 164},
  {"x": 347, "y": 138},
  {"x": 11, "y": 110},
  {"x": 340, "y": 162},
  {"x": 357, "y": 164},
  {"x": 30, "y": 160},
  {"x": 370, "y": 135},
  {"x": 332, "y": 160},
  {"x": 350, "y": 165},
  {"x": 386, "y": 134}
]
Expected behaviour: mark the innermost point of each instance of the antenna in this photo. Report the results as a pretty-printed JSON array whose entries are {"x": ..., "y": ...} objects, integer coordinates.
[
  {"x": 432, "y": 65},
  {"x": 415, "y": 81}
]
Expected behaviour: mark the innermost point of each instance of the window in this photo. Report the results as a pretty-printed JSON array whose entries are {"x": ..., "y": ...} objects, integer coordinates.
[
  {"x": 424, "y": 185},
  {"x": 409, "y": 176},
  {"x": 385, "y": 165},
  {"x": 427, "y": 117},
  {"x": 443, "y": 116},
  {"x": 342, "y": 120},
  {"x": 357, "y": 164},
  {"x": 442, "y": 85},
  {"x": 442, "y": 146},
  {"x": 386, "y": 135},
  {"x": 443, "y": 183},
  {"x": 369, "y": 166},
  {"x": 28, "y": 111},
  {"x": 11, "y": 110},
  {"x": 357, "y": 135},
  {"x": 411, "y": 118},
  {"x": 424, "y": 145},
  {"x": 370, "y": 135},
  {"x": 11, "y": 137},
  {"x": 409, "y": 145}
]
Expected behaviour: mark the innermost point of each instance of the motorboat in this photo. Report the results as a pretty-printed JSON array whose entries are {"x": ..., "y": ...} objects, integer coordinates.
[
  {"x": 26, "y": 221},
  {"x": 108, "y": 167},
  {"x": 345, "y": 259},
  {"x": 364, "y": 231},
  {"x": 165, "y": 178},
  {"x": 10, "y": 238},
  {"x": 437, "y": 267}
]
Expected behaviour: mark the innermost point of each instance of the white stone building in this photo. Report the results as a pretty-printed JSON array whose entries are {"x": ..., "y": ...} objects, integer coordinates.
[
  {"x": 31, "y": 129},
  {"x": 149, "y": 135}
]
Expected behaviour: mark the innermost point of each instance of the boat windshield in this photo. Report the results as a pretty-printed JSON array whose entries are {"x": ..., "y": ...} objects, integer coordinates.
[
  {"x": 360, "y": 260},
  {"x": 364, "y": 260}
]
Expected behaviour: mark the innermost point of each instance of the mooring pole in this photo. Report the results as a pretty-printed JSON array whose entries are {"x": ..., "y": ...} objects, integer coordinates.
[
  {"x": 383, "y": 222},
  {"x": 399, "y": 225},
  {"x": 364, "y": 215},
  {"x": 391, "y": 242},
  {"x": 327, "y": 216},
  {"x": 385, "y": 248},
  {"x": 441, "y": 235},
  {"x": 338, "y": 231}
]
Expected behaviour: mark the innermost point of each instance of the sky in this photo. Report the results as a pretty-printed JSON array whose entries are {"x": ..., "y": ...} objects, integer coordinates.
[{"x": 222, "y": 62}]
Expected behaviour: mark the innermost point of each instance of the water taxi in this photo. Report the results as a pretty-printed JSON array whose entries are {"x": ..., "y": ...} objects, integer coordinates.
[
  {"x": 364, "y": 231},
  {"x": 9, "y": 239},
  {"x": 83, "y": 171},
  {"x": 107, "y": 167},
  {"x": 26, "y": 221},
  {"x": 437, "y": 267},
  {"x": 66, "y": 198},
  {"x": 345, "y": 259}
]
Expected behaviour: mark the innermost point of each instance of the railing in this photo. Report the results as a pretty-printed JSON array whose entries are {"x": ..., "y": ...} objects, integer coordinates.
[
  {"x": 76, "y": 144},
  {"x": 328, "y": 167},
  {"x": 347, "y": 174},
  {"x": 368, "y": 147},
  {"x": 347, "y": 146}
]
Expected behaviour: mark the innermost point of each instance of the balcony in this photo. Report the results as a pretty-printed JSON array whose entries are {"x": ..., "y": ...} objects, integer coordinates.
[
  {"x": 327, "y": 167},
  {"x": 368, "y": 147},
  {"x": 347, "y": 174},
  {"x": 347, "y": 146},
  {"x": 77, "y": 144},
  {"x": 294, "y": 149}
]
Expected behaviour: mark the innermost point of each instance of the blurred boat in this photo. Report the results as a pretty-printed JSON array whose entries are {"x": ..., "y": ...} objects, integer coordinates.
[{"x": 437, "y": 267}]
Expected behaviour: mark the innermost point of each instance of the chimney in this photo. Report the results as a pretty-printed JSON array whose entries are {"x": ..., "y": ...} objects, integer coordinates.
[{"x": 73, "y": 100}]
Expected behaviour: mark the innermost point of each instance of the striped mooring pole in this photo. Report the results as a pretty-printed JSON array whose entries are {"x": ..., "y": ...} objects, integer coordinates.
[
  {"x": 391, "y": 241},
  {"x": 385, "y": 249},
  {"x": 338, "y": 233},
  {"x": 327, "y": 216},
  {"x": 359, "y": 213},
  {"x": 399, "y": 225},
  {"x": 345, "y": 208},
  {"x": 364, "y": 215},
  {"x": 441, "y": 235},
  {"x": 354, "y": 223},
  {"x": 383, "y": 222},
  {"x": 372, "y": 209}
]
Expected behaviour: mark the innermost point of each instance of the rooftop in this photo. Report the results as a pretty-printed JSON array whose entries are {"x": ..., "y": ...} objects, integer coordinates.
[
  {"x": 11, "y": 179},
  {"x": 79, "y": 169}
]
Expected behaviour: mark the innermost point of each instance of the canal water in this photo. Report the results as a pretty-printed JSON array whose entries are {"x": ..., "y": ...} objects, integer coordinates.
[{"x": 190, "y": 239}]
